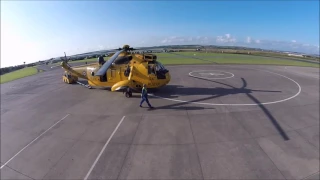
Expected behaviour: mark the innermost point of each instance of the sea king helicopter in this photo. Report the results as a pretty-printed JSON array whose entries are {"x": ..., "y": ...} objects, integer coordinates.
[{"x": 124, "y": 71}]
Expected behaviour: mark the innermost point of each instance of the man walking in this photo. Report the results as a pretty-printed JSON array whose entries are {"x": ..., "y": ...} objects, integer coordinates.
[{"x": 144, "y": 96}]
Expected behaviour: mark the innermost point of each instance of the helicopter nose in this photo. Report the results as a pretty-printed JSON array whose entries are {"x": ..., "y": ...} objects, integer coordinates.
[{"x": 168, "y": 77}]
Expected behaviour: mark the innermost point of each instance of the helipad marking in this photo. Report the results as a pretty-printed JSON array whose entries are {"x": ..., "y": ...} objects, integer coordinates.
[
  {"x": 286, "y": 67},
  {"x": 249, "y": 104},
  {"x": 55, "y": 66},
  {"x": 211, "y": 72}
]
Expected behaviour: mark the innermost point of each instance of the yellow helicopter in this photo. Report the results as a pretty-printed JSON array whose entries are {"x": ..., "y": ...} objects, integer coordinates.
[{"x": 124, "y": 71}]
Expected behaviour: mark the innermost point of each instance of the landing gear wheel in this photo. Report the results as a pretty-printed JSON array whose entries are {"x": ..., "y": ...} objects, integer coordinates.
[{"x": 128, "y": 93}]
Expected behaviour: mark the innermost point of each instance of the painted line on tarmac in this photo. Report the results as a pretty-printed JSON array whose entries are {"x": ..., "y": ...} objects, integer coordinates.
[
  {"x": 55, "y": 66},
  {"x": 311, "y": 176},
  {"x": 104, "y": 147},
  {"x": 286, "y": 67},
  {"x": 232, "y": 75},
  {"x": 34, "y": 140}
]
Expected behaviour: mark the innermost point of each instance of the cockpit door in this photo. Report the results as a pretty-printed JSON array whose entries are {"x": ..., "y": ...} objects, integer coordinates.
[
  {"x": 160, "y": 71},
  {"x": 152, "y": 73},
  {"x": 136, "y": 75},
  {"x": 113, "y": 73}
]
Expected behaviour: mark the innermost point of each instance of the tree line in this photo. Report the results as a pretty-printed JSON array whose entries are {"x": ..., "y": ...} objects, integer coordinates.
[{"x": 14, "y": 68}]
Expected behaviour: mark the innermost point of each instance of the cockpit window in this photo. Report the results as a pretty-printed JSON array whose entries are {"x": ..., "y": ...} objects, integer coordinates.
[
  {"x": 151, "y": 69},
  {"x": 160, "y": 70},
  {"x": 159, "y": 66}
]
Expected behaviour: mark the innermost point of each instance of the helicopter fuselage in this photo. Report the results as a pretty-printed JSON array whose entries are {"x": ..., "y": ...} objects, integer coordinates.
[{"x": 132, "y": 70}]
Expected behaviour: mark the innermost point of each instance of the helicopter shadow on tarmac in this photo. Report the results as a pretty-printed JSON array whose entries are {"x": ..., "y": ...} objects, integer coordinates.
[
  {"x": 176, "y": 91},
  {"x": 177, "y": 106},
  {"x": 213, "y": 93},
  {"x": 136, "y": 94}
]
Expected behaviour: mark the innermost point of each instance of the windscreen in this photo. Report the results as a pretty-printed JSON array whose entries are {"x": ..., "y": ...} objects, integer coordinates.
[{"x": 159, "y": 66}]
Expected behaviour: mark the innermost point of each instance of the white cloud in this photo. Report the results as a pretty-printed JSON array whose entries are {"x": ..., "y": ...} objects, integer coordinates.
[
  {"x": 112, "y": 46},
  {"x": 164, "y": 41},
  {"x": 248, "y": 40},
  {"x": 288, "y": 46},
  {"x": 179, "y": 40},
  {"x": 173, "y": 39},
  {"x": 228, "y": 39},
  {"x": 34, "y": 51},
  {"x": 100, "y": 47}
]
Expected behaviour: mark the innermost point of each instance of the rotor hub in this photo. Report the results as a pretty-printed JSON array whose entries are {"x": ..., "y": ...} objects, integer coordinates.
[{"x": 126, "y": 47}]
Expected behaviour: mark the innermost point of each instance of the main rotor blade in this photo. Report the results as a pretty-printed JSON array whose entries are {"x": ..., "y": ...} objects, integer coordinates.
[
  {"x": 263, "y": 90},
  {"x": 244, "y": 83},
  {"x": 107, "y": 64}
]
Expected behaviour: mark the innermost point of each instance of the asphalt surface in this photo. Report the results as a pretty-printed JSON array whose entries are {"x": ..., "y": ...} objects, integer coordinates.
[
  {"x": 199, "y": 56},
  {"x": 224, "y": 122}
]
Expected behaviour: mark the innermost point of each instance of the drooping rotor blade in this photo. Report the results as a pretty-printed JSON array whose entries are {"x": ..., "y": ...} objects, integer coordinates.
[
  {"x": 107, "y": 64},
  {"x": 263, "y": 90},
  {"x": 150, "y": 49},
  {"x": 136, "y": 49}
]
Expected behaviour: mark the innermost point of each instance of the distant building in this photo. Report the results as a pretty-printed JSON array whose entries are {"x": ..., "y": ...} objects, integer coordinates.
[{"x": 296, "y": 55}]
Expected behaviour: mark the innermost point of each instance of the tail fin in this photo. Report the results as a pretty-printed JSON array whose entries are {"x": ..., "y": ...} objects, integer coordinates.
[
  {"x": 65, "y": 65},
  {"x": 64, "y": 62}
]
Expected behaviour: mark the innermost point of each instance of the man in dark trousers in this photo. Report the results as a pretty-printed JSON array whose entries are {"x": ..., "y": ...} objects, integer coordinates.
[{"x": 144, "y": 96}]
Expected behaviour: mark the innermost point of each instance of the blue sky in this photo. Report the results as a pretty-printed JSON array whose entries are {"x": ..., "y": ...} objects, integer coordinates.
[{"x": 41, "y": 30}]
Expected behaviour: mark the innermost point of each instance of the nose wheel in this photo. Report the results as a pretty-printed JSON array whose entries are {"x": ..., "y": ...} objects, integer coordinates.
[{"x": 128, "y": 93}]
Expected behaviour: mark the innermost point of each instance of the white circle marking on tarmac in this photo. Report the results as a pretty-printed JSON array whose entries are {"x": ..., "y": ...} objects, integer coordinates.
[
  {"x": 286, "y": 67},
  {"x": 232, "y": 75},
  {"x": 252, "y": 104}
]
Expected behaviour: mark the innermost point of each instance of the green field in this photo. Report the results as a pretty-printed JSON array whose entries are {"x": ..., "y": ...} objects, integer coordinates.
[
  {"x": 179, "y": 58},
  {"x": 18, "y": 74},
  {"x": 86, "y": 60},
  {"x": 191, "y": 58},
  {"x": 219, "y": 58}
]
